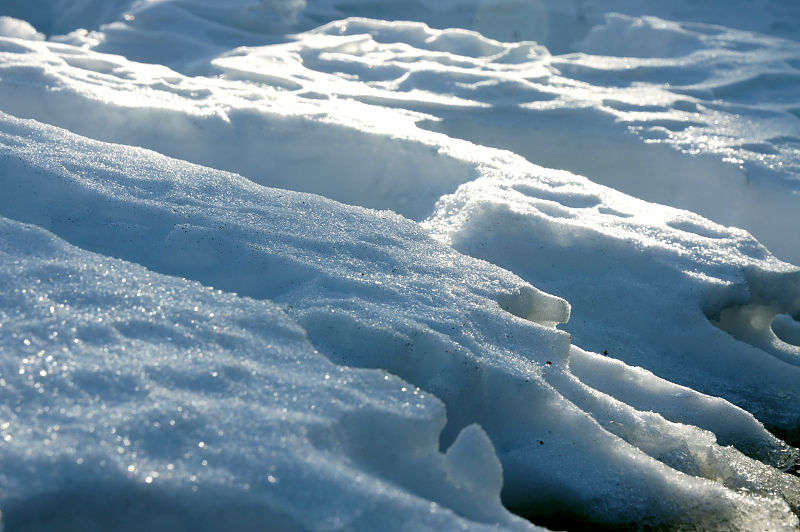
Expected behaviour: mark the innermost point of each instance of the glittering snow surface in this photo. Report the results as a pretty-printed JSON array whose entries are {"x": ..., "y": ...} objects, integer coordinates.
[{"x": 286, "y": 265}]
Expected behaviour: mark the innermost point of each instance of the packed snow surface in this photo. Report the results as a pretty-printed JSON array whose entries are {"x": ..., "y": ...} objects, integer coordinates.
[{"x": 457, "y": 265}]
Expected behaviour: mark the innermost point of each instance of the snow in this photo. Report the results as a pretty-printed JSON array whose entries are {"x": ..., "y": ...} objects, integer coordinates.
[{"x": 399, "y": 266}]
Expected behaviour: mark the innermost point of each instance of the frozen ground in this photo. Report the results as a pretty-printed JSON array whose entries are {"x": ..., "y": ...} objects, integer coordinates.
[{"x": 359, "y": 265}]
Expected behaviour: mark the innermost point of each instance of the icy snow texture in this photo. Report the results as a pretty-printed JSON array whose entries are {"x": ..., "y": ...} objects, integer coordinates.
[
  {"x": 244, "y": 409},
  {"x": 661, "y": 91},
  {"x": 133, "y": 396},
  {"x": 372, "y": 290}
]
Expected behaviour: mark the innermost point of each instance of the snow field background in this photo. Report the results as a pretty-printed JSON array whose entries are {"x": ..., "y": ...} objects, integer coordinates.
[{"x": 186, "y": 349}]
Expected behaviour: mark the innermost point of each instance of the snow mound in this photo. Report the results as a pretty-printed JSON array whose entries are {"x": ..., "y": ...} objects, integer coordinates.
[
  {"x": 18, "y": 29},
  {"x": 136, "y": 399},
  {"x": 267, "y": 277},
  {"x": 558, "y": 24},
  {"x": 161, "y": 31},
  {"x": 682, "y": 111},
  {"x": 635, "y": 274},
  {"x": 373, "y": 290}
]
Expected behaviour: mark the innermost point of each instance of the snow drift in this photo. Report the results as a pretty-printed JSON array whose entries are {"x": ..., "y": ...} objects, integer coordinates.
[{"x": 271, "y": 266}]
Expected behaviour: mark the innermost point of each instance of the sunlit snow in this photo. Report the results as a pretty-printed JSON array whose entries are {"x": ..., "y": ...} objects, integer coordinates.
[{"x": 457, "y": 265}]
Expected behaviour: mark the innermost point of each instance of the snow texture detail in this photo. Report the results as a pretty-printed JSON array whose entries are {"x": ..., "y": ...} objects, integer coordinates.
[{"x": 464, "y": 265}]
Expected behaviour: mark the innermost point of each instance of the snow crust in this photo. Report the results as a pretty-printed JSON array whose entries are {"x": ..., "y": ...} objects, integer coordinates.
[
  {"x": 141, "y": 397},
  {"x": 399, "y": 266}
]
